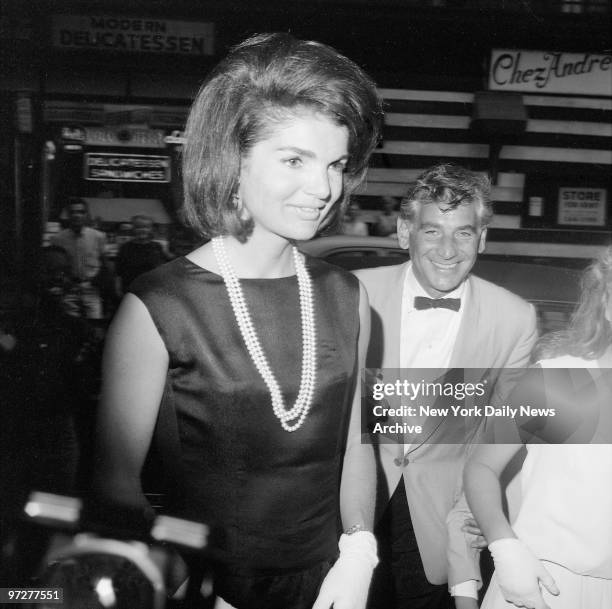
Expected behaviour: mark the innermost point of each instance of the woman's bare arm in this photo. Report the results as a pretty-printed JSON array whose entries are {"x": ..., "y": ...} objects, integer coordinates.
[
  {"x": 134, "y": 371},
  {"x": 358, "y": 485},
  {"x": 483, "y": 490}
]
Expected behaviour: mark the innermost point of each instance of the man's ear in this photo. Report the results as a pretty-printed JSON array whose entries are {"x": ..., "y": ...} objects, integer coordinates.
[
  {"x": 403, "y": 232},
  {"x": 482, "y": 241}
]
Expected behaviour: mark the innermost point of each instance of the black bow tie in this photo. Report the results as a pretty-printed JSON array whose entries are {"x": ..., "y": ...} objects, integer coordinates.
[{"x": 422, "y": 302}]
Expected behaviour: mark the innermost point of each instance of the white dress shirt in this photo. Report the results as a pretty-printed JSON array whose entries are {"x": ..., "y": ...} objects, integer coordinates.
[
  {"x": 85, "y": 250},
  {"x": 427, "y": 336}
]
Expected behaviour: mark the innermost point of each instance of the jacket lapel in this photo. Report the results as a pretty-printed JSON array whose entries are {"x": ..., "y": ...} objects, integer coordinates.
[
  {"x": 391, "y": 312},
  {"x": 470, "y": 343}
]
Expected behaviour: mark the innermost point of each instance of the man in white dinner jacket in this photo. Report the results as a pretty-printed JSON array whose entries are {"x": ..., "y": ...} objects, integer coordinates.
[{"x": 431, "y": 312}]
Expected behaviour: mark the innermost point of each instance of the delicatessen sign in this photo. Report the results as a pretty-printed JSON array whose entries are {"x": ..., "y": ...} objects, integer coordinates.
[
  {"x": 126, "y": 34},
  {"x": 126, "y": 167}
]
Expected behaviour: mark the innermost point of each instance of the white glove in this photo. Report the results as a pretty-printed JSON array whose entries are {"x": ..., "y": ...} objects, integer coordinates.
[
  {"x": 520, "y": 574},
  {"x": 348, "y": 581}
]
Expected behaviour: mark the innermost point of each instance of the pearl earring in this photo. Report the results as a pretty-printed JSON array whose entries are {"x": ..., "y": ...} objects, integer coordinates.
[{"x": 242, "y": 211}]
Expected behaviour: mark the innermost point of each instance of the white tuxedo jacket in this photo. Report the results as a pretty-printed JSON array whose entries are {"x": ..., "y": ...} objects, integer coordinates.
[{"x": 498, "y": 331}]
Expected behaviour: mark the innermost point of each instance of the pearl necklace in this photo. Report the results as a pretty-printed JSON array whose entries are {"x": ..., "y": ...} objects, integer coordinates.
[{"x": 309, "y": 357}]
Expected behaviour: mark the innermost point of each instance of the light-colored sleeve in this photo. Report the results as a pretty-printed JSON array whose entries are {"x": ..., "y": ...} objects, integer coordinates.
[{"x": 519, "y": 357}]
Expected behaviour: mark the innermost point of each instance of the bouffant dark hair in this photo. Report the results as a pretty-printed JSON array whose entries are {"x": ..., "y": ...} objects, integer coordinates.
[{"x": 264, "y": 81}]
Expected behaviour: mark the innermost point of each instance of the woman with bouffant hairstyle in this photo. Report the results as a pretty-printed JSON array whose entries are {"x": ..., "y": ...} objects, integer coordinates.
[
  {"x": 239, "y": 361},
  {"x": 243, "y": 100}
]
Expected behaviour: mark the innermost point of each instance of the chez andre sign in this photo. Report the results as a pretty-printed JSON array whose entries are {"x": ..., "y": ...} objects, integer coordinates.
[{"x": 551, "y": 72}]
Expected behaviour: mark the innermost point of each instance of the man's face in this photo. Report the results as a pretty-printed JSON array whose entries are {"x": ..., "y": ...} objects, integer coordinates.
[
  {"x": 443, "y": 245},
  {"x": 143, "y": 229},
  {"x": 77, "y": 214}
]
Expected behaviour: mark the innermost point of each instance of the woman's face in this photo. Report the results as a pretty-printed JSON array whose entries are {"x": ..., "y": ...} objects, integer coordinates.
[{"x": 290, "y": 180}]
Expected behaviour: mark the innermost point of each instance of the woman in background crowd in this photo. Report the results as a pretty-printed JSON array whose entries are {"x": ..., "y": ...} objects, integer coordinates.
[
  {"x": 558, "y": 552},
  {"x": 138, "y": 255},
  {"x": 240, "y": 358}
]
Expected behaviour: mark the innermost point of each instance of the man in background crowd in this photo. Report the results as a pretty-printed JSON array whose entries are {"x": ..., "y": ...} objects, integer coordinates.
[{"x": 86, "y": 249}]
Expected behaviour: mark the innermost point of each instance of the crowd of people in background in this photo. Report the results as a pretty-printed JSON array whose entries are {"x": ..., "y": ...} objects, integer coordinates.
[
  {"x": 101, "y": 271},
  {"x": 381, "y": 222},
  {"x": 50, "y": 354}
]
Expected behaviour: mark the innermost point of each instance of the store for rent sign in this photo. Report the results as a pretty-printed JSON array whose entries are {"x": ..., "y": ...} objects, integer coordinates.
[
  {"x": 126, "y": 34},
  {"x": 545, "y": 72},
  {"x": 126, "y": 167},
  {"x": 582, "y": 206}
]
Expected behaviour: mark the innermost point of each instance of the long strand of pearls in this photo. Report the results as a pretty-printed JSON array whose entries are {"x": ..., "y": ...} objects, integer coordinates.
[{"x": 297, "y": 413}]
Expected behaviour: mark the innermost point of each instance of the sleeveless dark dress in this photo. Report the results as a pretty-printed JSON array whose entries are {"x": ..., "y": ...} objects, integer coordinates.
[{"x": 273, "y": 495}]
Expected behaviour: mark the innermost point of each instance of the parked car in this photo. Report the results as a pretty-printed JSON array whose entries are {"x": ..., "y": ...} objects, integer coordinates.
[{"x": 552, "y": 285}]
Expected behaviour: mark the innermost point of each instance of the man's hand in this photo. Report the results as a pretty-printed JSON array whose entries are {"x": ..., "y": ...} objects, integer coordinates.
[
  {"x": 348, "y": 581},
  {"x": 471, "y": 526},
  {"x": 520, "y": 574}
]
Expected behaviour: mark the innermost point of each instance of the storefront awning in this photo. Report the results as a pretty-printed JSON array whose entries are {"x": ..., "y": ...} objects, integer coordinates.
[{"x": 121, "y": 210}]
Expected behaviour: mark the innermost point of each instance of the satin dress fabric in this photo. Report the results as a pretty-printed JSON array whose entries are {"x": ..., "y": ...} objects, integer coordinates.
[{"x": 271, "y": 496}]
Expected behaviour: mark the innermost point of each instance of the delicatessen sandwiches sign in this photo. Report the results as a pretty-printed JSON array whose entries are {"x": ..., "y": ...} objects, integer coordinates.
[{"x": 126, "y": 167}]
